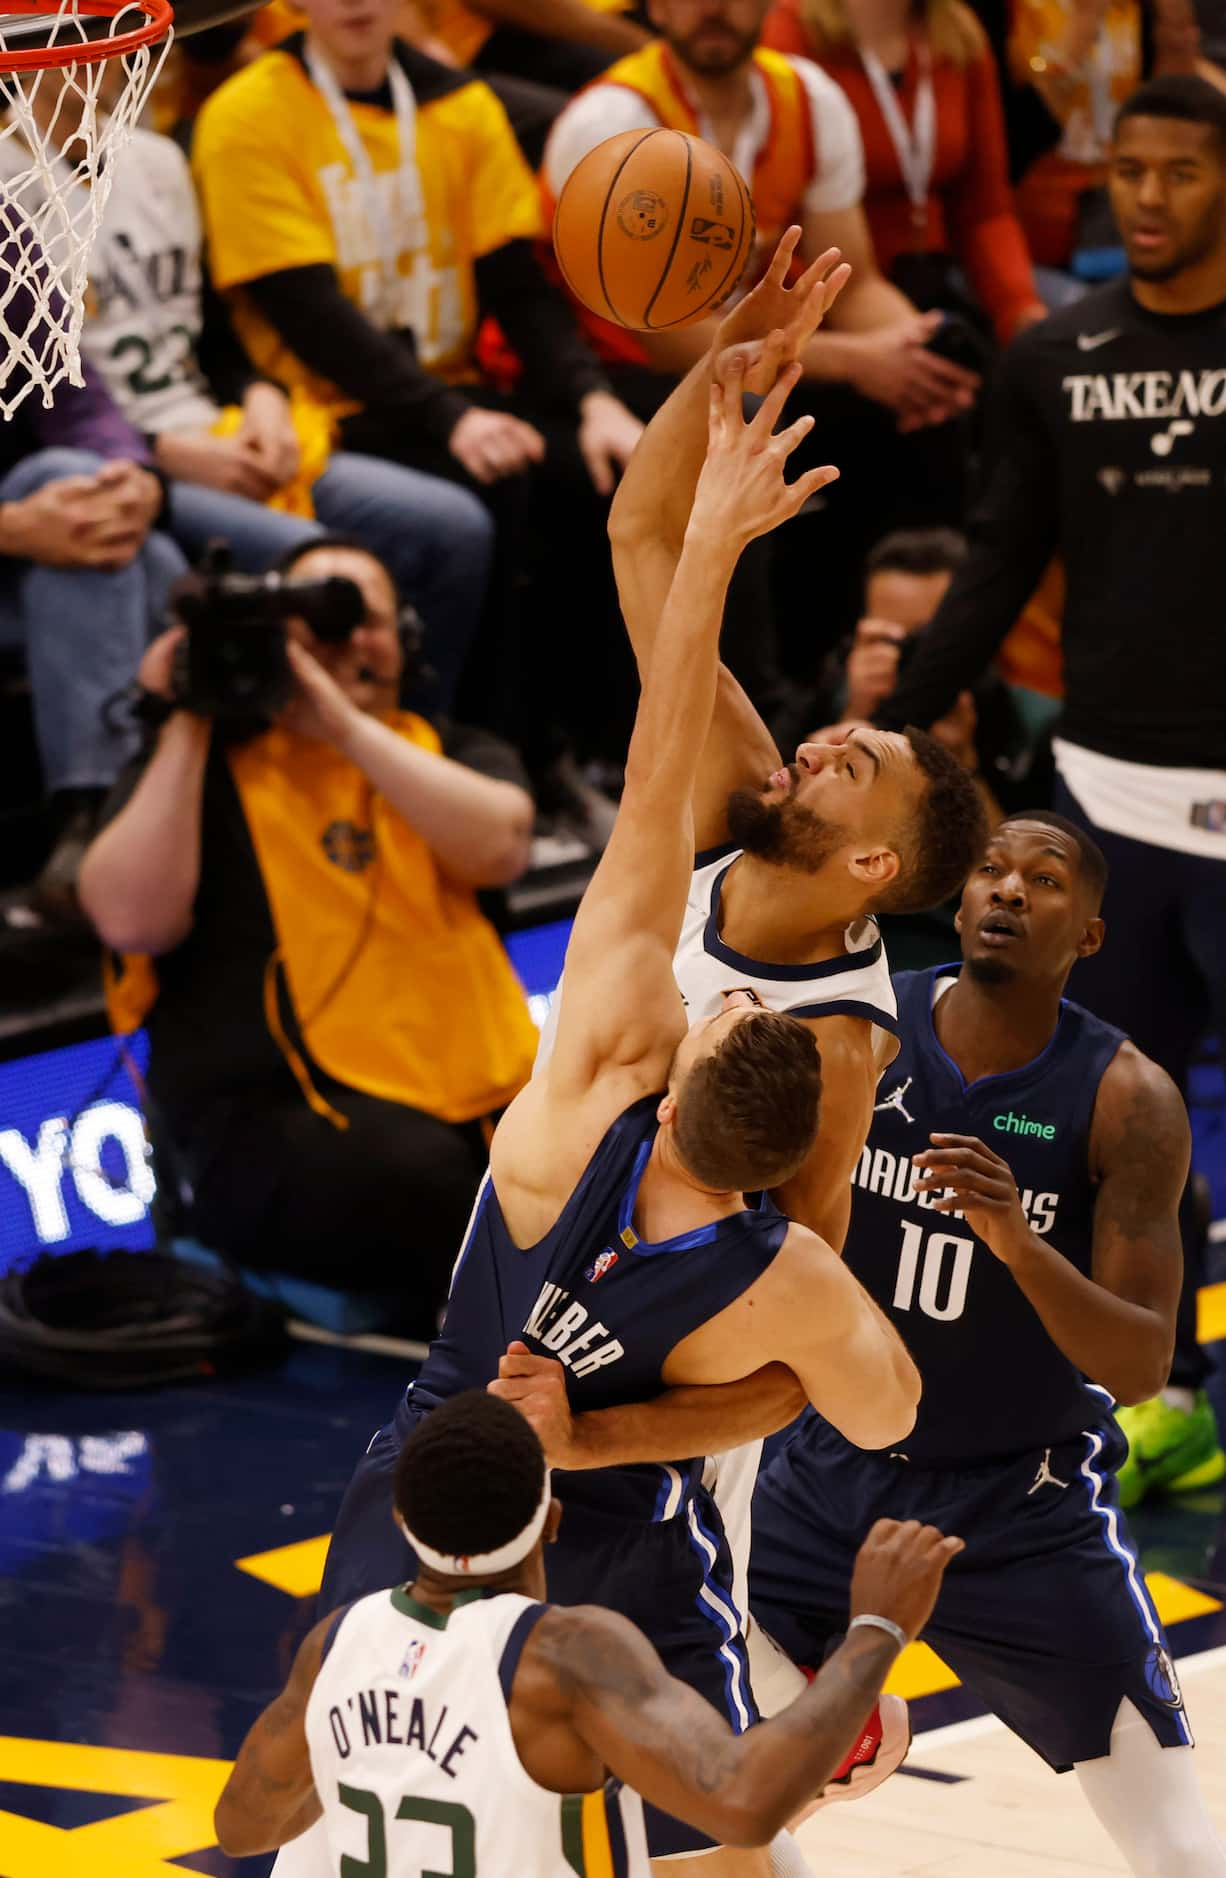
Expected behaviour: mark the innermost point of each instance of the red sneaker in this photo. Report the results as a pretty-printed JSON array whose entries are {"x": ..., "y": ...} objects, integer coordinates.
[{"x": 881, "y": 1746}]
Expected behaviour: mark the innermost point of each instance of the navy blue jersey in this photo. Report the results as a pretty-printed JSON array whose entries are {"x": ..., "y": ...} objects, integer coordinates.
[
  {"x": 608, "y": 1305},
  {"x": 994, "y": 1382}
]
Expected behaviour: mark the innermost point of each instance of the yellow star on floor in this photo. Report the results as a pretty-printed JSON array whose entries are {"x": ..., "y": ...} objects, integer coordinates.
[{"x": 128, "y": 1845}]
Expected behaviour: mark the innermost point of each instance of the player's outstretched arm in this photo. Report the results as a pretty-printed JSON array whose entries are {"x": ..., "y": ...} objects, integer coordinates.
[
  {"x": 766, "y": 331},
  {"x": 620, "y": 1003},
  {"x": 270, "y": 1796},
  {"x": 1117, "y": 1326},
  {"x": 672, "y": 1747},
  {"x": 699, "y": 1419}
]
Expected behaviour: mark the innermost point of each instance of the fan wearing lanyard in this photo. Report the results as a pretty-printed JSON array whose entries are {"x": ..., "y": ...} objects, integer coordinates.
[
  {"x": 418, "y": 300},
  {"x": 915, "y": 143}
]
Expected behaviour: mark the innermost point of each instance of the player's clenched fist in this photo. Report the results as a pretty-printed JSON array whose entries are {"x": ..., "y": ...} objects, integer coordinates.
[
  {"x": 536, "y": 1386},
  {"x": 898, "y": 1573}
]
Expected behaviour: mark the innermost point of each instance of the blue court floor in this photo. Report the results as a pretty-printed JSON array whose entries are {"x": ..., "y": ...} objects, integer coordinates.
[{"x": 135, "y": 1650}]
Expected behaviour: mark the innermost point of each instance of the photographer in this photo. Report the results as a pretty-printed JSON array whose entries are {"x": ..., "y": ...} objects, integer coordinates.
[{"x": 333, "y": 1017}]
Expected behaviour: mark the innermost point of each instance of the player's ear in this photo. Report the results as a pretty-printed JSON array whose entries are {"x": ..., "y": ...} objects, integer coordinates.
[
  {"x": 667, "y": 1109},
  {"x": 958, "y": 919},
  {"x": 553, "y": 1519},
  {"x": 1091, "y": 939},
  {"x": 875, "y": 867}
]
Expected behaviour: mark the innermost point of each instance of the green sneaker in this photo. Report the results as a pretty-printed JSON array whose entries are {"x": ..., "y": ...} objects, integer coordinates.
[{"x": 1170, "y": 1450}]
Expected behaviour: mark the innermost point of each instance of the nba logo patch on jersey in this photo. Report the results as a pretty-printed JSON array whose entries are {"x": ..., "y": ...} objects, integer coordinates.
[
  {"x": 603, "y": 1263},
  {"x": 412, "y": 1659}
]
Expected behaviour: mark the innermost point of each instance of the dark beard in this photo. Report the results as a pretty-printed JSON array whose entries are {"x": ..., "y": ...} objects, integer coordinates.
[
  {"x": 723, "y": 64},
  {"x": 990, "y": 971},
  {"x": 780, "y": 832}
]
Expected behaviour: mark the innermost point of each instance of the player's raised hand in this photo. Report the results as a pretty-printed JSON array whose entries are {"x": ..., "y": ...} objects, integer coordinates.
[
  {"x": 898, "y": 1573},
  {"x": 771, "y": 326},
  {"x": 742, "y": 491},
  {"x": 536, "y": 1386},
  {"x": 980, "y": 1186}
]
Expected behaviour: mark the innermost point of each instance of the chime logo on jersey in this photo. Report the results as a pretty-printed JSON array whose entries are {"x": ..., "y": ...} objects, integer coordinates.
[
  {"x": 603, "y": 1263},
  {"x": 412, "y": 1659}
]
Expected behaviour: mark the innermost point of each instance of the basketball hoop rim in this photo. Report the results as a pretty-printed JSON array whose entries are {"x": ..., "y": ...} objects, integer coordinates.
[{"x": 159, "y": 19}]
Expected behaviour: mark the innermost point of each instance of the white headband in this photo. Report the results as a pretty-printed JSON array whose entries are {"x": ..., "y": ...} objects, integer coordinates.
[{"x": 485, "y": 1564}]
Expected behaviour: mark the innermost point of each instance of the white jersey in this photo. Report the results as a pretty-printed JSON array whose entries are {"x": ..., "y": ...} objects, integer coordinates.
[
  {"x": 415, "y": 1764},
  {"x": 144, "y": 305},
  {"x": 855, "y": 985}
]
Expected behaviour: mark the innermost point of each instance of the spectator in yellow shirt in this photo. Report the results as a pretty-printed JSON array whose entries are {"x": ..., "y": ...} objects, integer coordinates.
[{"x": 365, "y": 207}]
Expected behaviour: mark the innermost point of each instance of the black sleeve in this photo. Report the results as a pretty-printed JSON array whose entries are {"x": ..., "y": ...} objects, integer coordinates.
[
  {"x": 334, "y": 338},
  {"x": 1014, "y": 531},
  {"x": 560, "y": 367},
  {"x": 220, "y": 355},
  {"x": 482, "y": 751}
]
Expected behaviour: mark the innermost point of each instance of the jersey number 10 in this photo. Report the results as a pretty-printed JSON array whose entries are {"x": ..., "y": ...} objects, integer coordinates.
[
  {"x": 942, "y": 1280},
  {"x": 457, "y": 1819}
]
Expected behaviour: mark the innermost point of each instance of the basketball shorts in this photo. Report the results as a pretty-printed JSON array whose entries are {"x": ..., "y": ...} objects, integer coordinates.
[
  {"x": 1045, "y": 1616},
  {"x": 672, "y": 1577}
]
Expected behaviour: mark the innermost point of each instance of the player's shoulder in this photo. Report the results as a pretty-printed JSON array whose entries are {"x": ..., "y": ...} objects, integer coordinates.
[
  {"x": 1135, "y": 1088},
  {"x": 1140, "y": 1121},
  {"x": 576, "y": 1648}
]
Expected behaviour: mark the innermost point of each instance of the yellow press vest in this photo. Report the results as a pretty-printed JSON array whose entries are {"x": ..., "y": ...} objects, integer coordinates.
[
  {"x": 786, "y": 164},
  {"x": 398, "y": 984}
]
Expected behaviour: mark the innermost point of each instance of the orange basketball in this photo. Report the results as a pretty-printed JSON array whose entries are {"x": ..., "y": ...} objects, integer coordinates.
[{"x": 653, "y": 229}]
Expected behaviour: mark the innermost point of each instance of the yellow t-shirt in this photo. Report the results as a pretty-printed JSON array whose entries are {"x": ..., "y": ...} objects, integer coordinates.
[{"x": 278, "y": 191}]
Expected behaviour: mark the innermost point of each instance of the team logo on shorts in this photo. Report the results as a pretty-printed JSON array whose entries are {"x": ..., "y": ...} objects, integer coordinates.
[
  {"x": 412, "y": 1659},
  {"x": 600, "y": 1265},
  {"x": 1161, "y": 1677}
]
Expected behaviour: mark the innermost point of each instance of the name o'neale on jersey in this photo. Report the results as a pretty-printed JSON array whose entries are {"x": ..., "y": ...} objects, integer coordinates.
[
  {"x": 380, "y": 1718},
  {"x": 567, "y": 1329},
  {"x": 1114, "y": 396},
  {"x": 893, "y": 1177}
]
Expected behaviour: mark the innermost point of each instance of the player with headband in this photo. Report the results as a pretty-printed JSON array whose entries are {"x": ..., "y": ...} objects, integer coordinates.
[{"x": 462, "y": 1704}]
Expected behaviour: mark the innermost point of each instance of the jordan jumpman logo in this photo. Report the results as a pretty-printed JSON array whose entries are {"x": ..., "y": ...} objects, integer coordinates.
[
  {"x": 895, "y": 1100},
  {"x": 1044, "y": 1476}
]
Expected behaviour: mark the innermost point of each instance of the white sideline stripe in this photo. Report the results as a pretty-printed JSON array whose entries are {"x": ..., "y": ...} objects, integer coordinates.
[
  {"x": 367, "y": 1340},
  {"x": 927, "y": 1740}
]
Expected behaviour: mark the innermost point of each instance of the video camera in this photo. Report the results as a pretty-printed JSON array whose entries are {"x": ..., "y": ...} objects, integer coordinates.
[{"x": 233, "y": 663}]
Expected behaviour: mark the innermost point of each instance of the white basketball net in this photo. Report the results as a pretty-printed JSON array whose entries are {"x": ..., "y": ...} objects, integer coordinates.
[{"x": 55, "y": 177}]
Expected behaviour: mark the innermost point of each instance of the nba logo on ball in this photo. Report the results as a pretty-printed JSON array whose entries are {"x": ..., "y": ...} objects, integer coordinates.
[
  {"x": 642, "y": 215},
  {"x": 599, "y": 1266}
]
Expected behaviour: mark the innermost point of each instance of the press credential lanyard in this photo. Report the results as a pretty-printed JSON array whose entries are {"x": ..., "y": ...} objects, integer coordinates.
[
  {"x": 914, "y": 147},
  {"x": 398, "y": 294}
]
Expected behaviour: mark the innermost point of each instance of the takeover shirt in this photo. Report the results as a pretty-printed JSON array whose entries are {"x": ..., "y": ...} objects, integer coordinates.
[{"x": 1106, "y": 443}]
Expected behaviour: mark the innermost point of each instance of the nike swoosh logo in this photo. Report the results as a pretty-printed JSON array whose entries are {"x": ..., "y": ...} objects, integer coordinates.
[{"x": 1090, "y": 342}]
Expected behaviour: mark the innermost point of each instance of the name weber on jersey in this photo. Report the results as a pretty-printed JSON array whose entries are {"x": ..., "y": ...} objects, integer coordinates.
[{"x": 563, "y": 1328}]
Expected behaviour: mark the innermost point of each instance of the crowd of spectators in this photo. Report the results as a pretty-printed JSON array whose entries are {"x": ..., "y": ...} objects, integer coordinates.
[{"x": 324, "y": 328}]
